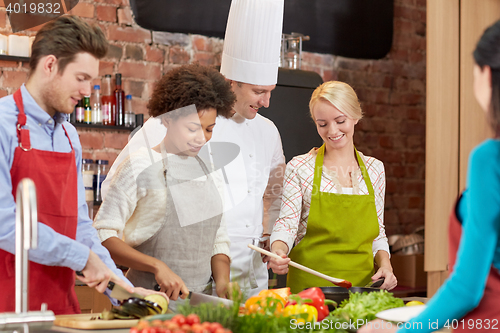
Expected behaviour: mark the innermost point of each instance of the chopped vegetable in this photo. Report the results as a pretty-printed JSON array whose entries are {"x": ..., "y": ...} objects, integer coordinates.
[{"x": 364, "y": 306}]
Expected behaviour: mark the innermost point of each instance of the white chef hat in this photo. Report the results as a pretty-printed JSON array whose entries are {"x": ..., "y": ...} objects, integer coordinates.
[{"x": 253, "y": 41}]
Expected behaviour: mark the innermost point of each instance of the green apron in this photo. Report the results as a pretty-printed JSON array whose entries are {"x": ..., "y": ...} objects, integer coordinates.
[{"x": 339, "y": 238}]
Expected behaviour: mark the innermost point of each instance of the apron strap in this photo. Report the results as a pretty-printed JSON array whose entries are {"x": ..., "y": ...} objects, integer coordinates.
[
  {"x": 23, "y": 134},
  {"x": 364, "y": 172},
  {"x": 318, "y": 170}
]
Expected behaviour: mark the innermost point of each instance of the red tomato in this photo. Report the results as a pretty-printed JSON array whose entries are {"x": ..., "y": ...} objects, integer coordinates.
[
  {"x": 220, "y": 330},
  {"x": 214, "y": 326},
  {"x": 186, "y": 327},
  {"x": 172, "y": 326},
  {"x": 192, "y": 319},
  {"x": 134, "y": 330},
  {"x": 179, "y": 319},
  {"x": 157, "y": 322}
]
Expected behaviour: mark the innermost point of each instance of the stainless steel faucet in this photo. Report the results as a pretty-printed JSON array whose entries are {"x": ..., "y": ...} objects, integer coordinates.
[{"x": 26, "y": 239}]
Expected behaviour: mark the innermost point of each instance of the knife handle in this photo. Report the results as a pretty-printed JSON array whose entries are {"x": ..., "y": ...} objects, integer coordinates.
[
  {"x": 111, "y": 284},
  {"x": 158, "y": 288}
]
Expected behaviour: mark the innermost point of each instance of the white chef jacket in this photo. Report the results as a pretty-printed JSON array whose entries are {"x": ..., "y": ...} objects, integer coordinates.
[{"x": 254, "y": 180}]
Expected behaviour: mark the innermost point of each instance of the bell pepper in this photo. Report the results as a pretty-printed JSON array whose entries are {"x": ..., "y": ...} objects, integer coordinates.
[
  {"x": 315, "y": 297},
  {"x": 301, "y": 311},
  {"x": 265, "y": 301},
  {"x": 283, "y": 292}
]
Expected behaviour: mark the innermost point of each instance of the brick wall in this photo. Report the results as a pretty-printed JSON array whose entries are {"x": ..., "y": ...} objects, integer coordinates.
[{"x": 392, "y": 91}]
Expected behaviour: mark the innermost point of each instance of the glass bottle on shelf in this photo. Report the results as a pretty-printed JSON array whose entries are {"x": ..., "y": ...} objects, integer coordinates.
[
  {"x": 80, "y": 112},
  {"x": 119, "y": 101},
  {"x": 108, "y": 117},
  {"x": 129, "y": 114},
  {"x": 87, "y": 110},
  {"x": 88, "y": 170},
  {"x": 101, "y": 170},
  {"x": 96, "y": 105}
]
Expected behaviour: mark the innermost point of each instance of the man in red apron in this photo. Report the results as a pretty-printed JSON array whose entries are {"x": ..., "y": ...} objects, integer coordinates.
[{"x": 37, "y": 142}]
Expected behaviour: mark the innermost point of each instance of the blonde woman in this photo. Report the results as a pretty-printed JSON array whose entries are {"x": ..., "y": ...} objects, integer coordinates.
[{"x": 332, "y": 211}]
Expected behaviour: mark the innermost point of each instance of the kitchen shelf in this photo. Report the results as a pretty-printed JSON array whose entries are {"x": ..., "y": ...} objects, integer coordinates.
[
  {"x": 106, "y": 127},
  {"x": 14, "y": 58}
]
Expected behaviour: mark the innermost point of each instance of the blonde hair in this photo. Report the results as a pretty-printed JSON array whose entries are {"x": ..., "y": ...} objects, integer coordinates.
[{"x": 340, "y": 95}]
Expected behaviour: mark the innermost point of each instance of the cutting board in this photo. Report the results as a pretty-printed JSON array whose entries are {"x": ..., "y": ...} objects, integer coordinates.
[{"x": 83, "y": 321}]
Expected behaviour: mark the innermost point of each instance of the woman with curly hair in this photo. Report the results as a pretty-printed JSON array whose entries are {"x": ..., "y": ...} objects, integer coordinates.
[{"x": 162, "y": 215}]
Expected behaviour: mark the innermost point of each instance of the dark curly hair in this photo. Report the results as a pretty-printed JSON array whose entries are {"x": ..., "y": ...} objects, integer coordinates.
[{"x": 195, "y": 84}]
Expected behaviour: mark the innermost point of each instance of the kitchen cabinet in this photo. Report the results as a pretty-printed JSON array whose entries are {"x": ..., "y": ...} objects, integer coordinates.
[
  {"x": 454, "y": 121},
  {"x": 91, "y": 301}
]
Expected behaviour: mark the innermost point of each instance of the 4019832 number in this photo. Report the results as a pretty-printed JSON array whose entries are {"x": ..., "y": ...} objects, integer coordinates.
[
  {"x": 472, "y": 324},
  {"x": 34, "y": 8}
]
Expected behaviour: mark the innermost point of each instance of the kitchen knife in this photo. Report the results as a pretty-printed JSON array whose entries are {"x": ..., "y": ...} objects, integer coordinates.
[
  {"x": 198, "y": 298},
  {"x": 121, "y": 293},
  {"x": 117, "y": 291}
]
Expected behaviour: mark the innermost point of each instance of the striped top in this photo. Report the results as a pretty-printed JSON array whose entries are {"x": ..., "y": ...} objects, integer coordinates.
[{"x": 291, "y": 225}]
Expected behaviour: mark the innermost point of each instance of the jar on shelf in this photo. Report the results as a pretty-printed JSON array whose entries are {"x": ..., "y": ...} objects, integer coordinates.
[{"x": 101, "y": 170}]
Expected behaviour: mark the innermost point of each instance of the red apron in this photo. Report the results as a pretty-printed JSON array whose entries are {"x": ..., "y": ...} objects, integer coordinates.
[
  {"x": 55, "y": 177},
  {"x": 488, "y": 310}
]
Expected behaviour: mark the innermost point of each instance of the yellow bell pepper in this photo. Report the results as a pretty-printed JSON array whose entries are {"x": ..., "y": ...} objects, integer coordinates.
[
  {"x": 266, "y": 301},
  {"x": 304, "y": 311}
]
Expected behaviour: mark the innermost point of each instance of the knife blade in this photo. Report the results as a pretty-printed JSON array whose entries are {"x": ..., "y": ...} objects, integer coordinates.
[
  {"x": 117, "y": 291},
  {"x": 198, "y": 298},
  {"x": 121, "y": 293}
]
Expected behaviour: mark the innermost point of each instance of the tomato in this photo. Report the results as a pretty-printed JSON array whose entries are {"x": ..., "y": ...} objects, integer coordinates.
[
  {"x": 192, "y": 319},
  {"x": 214, "y": 326},
  {"x": 157, "y": 322},
  {"x": 186, "y": 327},
  {"x": 179, "y": 319},
  {"x": 171, "y": 325},
  {"x": 134, "y": 330}
]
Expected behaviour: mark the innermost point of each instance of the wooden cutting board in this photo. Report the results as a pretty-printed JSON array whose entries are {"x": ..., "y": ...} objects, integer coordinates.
[{"x": 83, "y": 321}]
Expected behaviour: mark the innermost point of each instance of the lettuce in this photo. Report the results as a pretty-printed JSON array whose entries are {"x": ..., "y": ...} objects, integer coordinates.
[{"x": 364, "y": 306}]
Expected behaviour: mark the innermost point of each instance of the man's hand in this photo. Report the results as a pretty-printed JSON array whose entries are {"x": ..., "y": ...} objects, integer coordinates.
[
  {"x": 97, "y": 275},
  {"x": 264, "y": 244}
]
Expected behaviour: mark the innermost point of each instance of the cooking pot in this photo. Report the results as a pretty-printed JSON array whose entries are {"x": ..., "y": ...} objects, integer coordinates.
[{"x": 338, "y": 294}]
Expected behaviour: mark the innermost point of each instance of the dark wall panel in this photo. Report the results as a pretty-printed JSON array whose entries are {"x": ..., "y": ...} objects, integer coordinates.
[
  {"x": 289, "y": 110},
  {"x": 349, "y": 28}
]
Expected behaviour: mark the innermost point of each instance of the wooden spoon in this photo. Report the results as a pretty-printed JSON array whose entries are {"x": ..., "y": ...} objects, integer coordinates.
[{"x": 335, "y": 281}]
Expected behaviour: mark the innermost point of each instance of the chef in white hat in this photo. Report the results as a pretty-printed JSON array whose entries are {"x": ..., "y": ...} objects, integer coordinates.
[{"x": 250, "y": 60}]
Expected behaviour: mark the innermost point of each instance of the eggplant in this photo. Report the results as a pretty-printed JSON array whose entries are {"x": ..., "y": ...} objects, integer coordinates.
[{"x": 138, "y": 308}]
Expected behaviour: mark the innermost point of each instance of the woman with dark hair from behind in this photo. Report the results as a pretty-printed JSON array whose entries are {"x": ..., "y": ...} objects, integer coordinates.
[
  {"x": 469, "y": 299},
  {"x": 165, "y": 200}
]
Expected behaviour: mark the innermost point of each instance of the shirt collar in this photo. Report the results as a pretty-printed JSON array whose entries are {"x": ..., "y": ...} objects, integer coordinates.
[{"x": 32, "y": 109}]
